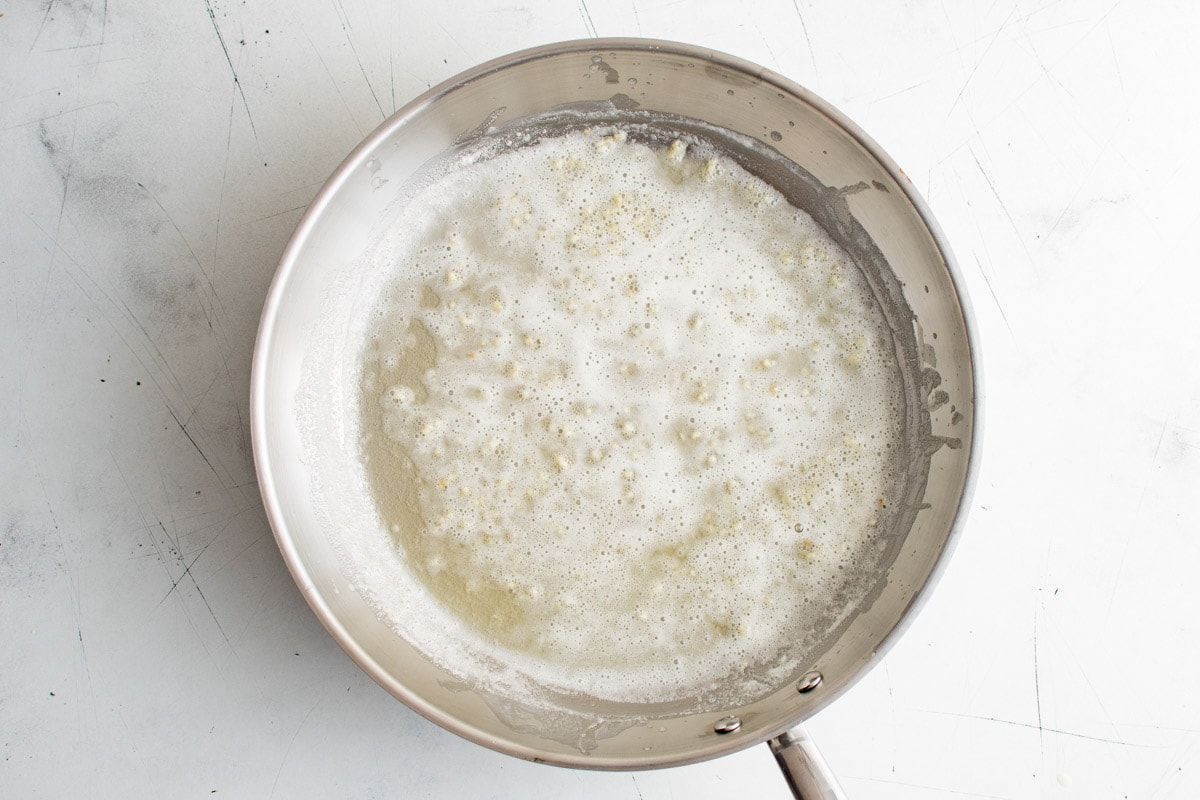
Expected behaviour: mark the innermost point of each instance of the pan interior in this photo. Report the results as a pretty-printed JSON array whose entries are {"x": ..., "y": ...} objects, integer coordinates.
[{"x": 414, "y": 600}]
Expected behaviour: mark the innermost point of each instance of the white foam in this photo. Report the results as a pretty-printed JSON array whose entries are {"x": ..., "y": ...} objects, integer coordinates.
[{"x": 628, "y": 420}]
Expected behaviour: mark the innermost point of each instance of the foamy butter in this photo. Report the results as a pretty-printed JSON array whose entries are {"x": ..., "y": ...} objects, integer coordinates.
[{"x": 627, "y": 416}]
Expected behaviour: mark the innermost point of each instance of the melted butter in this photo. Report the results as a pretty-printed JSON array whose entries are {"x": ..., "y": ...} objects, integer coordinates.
[{"x": 626, "y": 409}]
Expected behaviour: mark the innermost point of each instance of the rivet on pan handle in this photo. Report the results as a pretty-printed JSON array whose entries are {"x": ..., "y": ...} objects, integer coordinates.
[
  {"x": 727, "y": 724},
  {"x": 805, "y": 769}
]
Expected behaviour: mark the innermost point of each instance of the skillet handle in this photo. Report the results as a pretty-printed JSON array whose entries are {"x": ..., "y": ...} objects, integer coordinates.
[{"x": 806, "y": 771}]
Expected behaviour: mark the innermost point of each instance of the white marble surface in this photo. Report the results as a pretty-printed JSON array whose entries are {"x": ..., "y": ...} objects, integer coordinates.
[{"x": 155, "y": 157}]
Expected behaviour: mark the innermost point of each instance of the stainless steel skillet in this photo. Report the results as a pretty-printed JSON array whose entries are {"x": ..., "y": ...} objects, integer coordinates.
[{"x": 824, "y": 164}]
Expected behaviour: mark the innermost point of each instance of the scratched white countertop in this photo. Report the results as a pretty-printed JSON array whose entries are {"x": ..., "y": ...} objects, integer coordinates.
[{"x": 156, "y": 156}]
